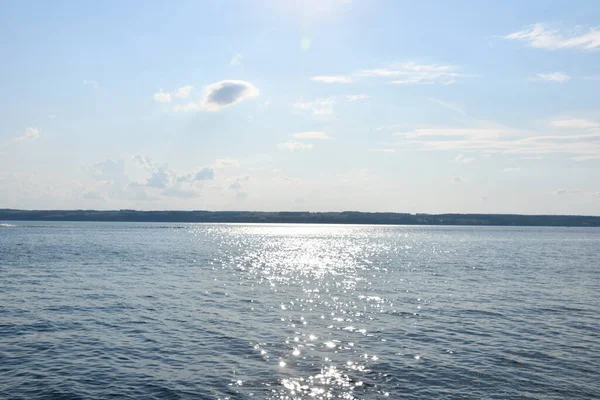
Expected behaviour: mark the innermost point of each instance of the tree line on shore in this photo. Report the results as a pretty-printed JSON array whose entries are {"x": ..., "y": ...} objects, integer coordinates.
[{"x": 345, "y": 217}]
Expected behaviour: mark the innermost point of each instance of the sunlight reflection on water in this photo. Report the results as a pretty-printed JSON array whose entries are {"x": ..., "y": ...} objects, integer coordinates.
[{"x": 321, "y": 269}]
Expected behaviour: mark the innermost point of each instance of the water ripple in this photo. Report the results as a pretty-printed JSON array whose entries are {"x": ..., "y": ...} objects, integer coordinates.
[{"x": 201, "y": 311}]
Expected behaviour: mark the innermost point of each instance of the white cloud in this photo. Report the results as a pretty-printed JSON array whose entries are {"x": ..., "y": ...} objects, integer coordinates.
[
  {"x": 317, "y": 107},
  {"x": 145, "y": 179},
  {"x": 404, "y": 73},
  {"x": 220, "y": 95},
  {"x": 331, "y": 79},
  {"x": 540, "y": 37},
  {"x": 29, "y": 134},
  {"x": 554, "y": 77},
  {"x": 588, "y": 157},
  {"x": 112, "y": 171},
  {"x": 411, "y": 81},
  {"x": 236, "y": 60},
  {"x": 166, "y": 97},
  {"x": 574, "y": 123},
  {"x": 183, "y": 92},
  {"x": 413, "y": 73},
  {"x": 514, "y": 169},
  {"x": 235, "y": 186},
  {"x": 226, "y": 163},
  {"x": 205, "y": 174},
  {"x": 498, "y": 139},
  {"x": 401, "y": 69},
  {"x": 162, "y": 97},
  {"x": 323, "y": 111},
  {"x": 389, "y": 127},
  {"x": 191, "y": 106},
  {"x": 382, "y": 150},
  {"x": 292, "y": 146},
  {"x": 311, "y": 135},
  {"x": 356, "y": 97},
  {"x": 460, "y": 159},
  {"x": 162, "y": 177},
  {"x": 458, "y": 132},
  {"x": 459, "y": 179},
  {"x": 226, "y": 93},
  {"x": 93, "y": 84}
]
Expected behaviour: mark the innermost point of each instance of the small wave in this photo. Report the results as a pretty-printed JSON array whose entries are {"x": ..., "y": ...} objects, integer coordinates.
[{"x": 2, "y": 225}]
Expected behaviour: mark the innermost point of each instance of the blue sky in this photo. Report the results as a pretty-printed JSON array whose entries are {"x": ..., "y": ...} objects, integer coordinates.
[{"x": 325, "y": 105}]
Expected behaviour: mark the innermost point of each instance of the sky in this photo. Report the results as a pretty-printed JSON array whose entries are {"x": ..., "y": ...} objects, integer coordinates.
[{"x": 316, "y": 105}]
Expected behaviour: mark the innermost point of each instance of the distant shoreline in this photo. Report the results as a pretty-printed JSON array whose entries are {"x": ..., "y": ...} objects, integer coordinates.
[{"x": 301, "y": 217}]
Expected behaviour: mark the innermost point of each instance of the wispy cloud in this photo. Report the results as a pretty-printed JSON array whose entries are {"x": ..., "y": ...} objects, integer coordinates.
[
  {"x": 467, "y": 132},
  {"x": 454, "y": 107},
  {"x": 356, "y": 97},
  {"x": 109, "y": 171},
  {"x": 567, "y": 191},
  {"x": 165, "y": 97},
  {"x": 226, "y": 163},
  {"x": 574, "y": 123},
  {"x": 183, "y": 92},
  {"x": 460, "y": 159},
  {"x": 331, "y": 79},
  {"x": 499, "y": 139},
  {"x": 293, "y": 146},
  {"x": 92, "y": 83},
  {"x": 162, "y": 97},
  {"x": 539, "y": 36},
  {"x": 512, "y": 169},
  {"x": 204, "y": 174},
  {"x": 236, "y": 60},
  {"x": 382, "y": 150},
  {"x": 29, "y": 134},
  {"x": 317, "y": 107},
  {"x": 311, "y": 135},
  {"x": 588, "y": 157},
  {"x": 161, "y": 176},
  {"x": 390, "y": 127},
  {"x": 408, "y": 73},
  {"x": 413, "y": 73},
  {"x": 554, "y": 77}
]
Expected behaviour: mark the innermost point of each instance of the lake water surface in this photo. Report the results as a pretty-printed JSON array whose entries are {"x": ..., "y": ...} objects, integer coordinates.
[{"x": 201, "y": 311}]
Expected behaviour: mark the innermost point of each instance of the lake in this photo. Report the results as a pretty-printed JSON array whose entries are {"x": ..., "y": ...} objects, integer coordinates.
[{"x": 224, "y": 311}]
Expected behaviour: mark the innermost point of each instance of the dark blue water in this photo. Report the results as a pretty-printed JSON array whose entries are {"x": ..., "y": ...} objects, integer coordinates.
[{"x": 149, "y": 311}]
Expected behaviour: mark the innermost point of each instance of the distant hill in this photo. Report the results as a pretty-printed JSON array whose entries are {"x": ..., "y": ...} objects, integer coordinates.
[{"x": 346, "y": 217}]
